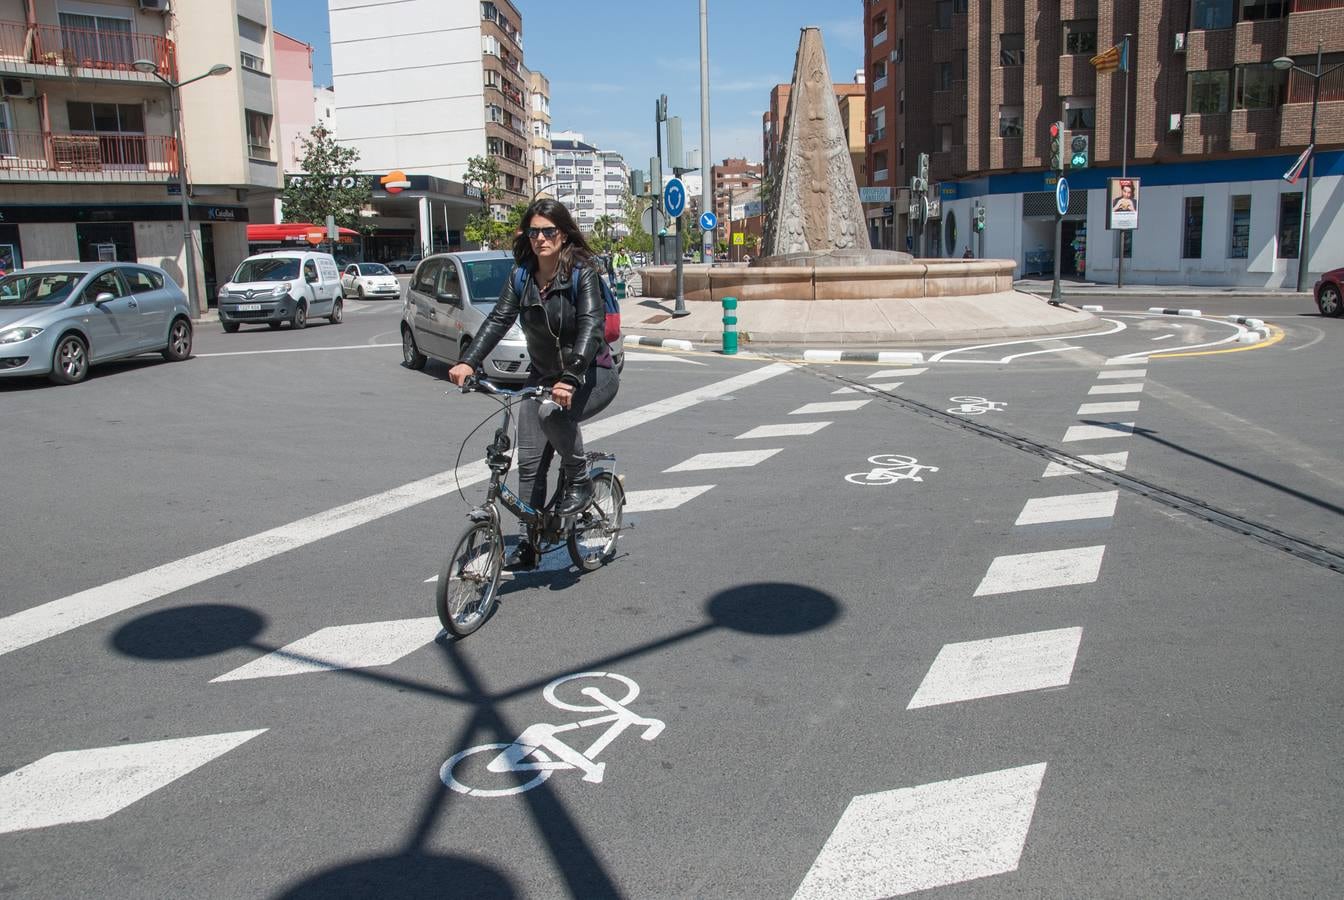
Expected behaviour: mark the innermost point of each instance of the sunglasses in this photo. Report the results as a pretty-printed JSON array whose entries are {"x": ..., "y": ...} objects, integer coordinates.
[{"x": 548, "y": 233}]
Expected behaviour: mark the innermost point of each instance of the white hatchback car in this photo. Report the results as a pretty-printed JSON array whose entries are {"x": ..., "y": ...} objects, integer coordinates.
[{"x": 366, "y": 280}]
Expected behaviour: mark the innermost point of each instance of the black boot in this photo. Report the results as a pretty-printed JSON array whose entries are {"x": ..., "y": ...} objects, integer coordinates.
[
  {"x": 522, "y": 559},
  {"x": 578, "y": 494}
]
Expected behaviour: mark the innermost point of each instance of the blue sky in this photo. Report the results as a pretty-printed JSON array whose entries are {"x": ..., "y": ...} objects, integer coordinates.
[{"x": 608, "y": 66}]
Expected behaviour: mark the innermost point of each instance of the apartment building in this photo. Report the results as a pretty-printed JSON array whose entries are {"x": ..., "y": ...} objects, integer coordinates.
[
  {"x": 731, "y": 179},
  {"x": 1202, "y": 118},
  {"x": 88, "y": 158},
  {"x": 590, "y": 181},
  {"x": 296, "y": 111},
  {"x": 542, "y": 161}
]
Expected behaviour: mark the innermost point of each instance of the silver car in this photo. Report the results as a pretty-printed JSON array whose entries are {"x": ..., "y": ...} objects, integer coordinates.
[{"x": 58, "y": 320}]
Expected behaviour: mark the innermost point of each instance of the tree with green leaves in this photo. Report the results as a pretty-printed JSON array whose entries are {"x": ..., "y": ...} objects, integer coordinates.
[
  {"x": 330, "y": 186},
  {"x": 604, "y": 230},
  {"x": 482, "y": 227}
]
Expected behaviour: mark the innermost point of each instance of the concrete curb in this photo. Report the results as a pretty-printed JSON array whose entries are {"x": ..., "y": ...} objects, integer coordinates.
[
  {"x": 1176, "y": 312},
  {"x": 880, "y": 356},
  {"x": 636, "y": 340}
]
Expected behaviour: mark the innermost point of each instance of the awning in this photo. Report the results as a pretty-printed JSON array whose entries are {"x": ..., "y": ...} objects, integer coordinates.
[{"x": 293, "y": 233}]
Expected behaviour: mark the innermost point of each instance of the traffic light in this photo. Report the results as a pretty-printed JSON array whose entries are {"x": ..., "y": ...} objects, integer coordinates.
[
  {"x": 924, "y": 170},
  {"x": 1078, "y": 151},
  {"x": 978, "y": 223},
  {"x": 1057, "y": 146}
]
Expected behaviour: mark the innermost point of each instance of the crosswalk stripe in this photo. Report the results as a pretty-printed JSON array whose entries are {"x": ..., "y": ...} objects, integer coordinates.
[
  {"x": 830, "y": 407},
  {"x": 1122, "y": 361},
  {"x": 1046, "y": 569},
  {"x": 1114, "y": 406},
  {"x": 1000, "y": 665},
  {"x": 911, "y": 839},
  {"x": 732, "y": 459},
  {"x": 1116, "y": 462},
  {"x": 88, "y": 785},
  {"x": 868, "y": 388},
  {"x": 898, "y": 373},
  {"x": 1123, "y": 373},
  {"x": 1097, "y": 432},
  {"x": 1068, "y": 508},
  {"x": 358, "y": 646},
  {"x": 662, "y": 498},
  {"x": 788, "y": 429},
  {"x": 1135, "y": 388}
]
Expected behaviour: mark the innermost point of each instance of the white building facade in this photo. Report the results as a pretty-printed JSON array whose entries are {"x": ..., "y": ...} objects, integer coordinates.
[{"x": 590, "y": 181}]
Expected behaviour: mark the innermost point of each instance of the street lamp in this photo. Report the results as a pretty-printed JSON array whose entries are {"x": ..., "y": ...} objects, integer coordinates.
[
  {"x": 189, "y": 247},
  {"x": 1285, "y": 64}
]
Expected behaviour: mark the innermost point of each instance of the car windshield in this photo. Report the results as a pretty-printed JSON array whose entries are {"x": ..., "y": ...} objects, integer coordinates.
[
  {"x": 486, "y": 278},
  {"x": 282, "y": 268},
  {"x": 374, "y": 269},
  {"x": 38, "y": 288}
]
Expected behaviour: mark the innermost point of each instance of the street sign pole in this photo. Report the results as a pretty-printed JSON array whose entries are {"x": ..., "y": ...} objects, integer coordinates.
[
  {"x": 674, "y": 204},
  {"x": 1061, "y": 207}
]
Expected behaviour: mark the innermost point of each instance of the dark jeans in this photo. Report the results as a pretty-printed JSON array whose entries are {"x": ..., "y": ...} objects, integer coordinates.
[{"x": 546, "y": 429}]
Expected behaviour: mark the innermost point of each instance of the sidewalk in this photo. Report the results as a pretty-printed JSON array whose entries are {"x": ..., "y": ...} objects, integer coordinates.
[{"x": 1073, "y": 288}]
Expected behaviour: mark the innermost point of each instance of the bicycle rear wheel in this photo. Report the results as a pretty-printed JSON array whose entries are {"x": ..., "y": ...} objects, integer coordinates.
[
  {"x": 469, "y": 582},
  {"x": 592, "y": 541}
]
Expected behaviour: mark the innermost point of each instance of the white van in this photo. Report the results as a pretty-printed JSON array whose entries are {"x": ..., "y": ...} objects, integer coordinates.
[{"x": 282, "y": 286}]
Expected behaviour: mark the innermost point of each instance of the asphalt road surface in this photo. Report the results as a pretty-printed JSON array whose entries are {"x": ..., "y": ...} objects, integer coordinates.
[{"x": 1051, "y": 619}]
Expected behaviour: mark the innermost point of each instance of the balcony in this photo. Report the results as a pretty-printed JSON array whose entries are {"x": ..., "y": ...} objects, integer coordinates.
[
  {"x": 52, "y": 51},
  {"x": 89, "y": 158}
]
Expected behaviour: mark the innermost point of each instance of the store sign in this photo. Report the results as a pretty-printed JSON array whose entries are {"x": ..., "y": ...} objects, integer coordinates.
[
  {"x": 874, "y": 195},
  {"x": 222, "y": 214}
]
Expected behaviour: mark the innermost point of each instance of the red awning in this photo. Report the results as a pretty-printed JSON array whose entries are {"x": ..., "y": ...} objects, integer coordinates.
[{"x": 295, "y": 232}]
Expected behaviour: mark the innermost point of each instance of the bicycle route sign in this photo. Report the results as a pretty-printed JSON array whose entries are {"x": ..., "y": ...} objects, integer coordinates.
[
  {"x": 975, "y": 406},
  {"x": 889, "y": 469}
]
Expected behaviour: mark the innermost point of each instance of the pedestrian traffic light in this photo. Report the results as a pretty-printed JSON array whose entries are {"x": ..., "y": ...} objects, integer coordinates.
[
  {"x": 1057, "y": 146},
  {"x": 978, "y": 223},
  {"x": 1078, "y": 151}
]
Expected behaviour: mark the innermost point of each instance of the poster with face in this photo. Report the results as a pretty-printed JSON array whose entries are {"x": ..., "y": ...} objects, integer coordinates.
[{"x": 1123, "y": 211}]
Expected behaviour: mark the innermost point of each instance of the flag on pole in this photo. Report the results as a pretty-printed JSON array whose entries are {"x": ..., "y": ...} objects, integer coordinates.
[
  {"x": 1115, "y": 58},
  {"x": 1295, "y": 172}
]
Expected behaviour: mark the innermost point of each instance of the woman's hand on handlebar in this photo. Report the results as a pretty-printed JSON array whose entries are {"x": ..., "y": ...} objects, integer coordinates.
[
  {"x": 563, "y": 394},
  {"x": 459, "y": 374}
]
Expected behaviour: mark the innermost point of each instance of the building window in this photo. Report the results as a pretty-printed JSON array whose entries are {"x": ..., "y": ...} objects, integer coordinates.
[
  {"x": 1208, "y": 92},
  {"x": 1080, "y": 36},
  {"x": 258, "y": 134},
  {"x": 1211, "y": 13},
  {"x": 1010, "y": 121},
  {"x": 942, "y": 14},
  {"x": 900, "y": 101},
  {"x": 944, "y": 138},
  {"x": 1193, "y": 246},
  {"x": 1260, "y": 87},
  {"x": 1012, "y": 50},
  {"x": 1290, "y": 224},
  {"x": 1240, "y": 244},
  {"x": 959, "y": 6},
  {"x": 1080, "y": 114},
  {"x": 6, "y": 139},
  {"x": 1257, "y": 10},
  {"x": 102, "y": 39},
  {"x": 943, "y": 77},
  {"x": 879, "y": 29}
]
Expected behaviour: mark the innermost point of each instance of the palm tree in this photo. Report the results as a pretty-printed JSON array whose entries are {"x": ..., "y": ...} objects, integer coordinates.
[{"x": 603, "y": 229}]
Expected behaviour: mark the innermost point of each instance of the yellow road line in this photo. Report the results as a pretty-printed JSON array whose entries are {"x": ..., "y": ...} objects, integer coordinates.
[{"x": 1276, "y": 334}]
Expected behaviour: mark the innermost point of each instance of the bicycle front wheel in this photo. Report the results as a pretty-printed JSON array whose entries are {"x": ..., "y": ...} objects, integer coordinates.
[
  {"x": 469, "y": 582},
  {"x": 592, "y": 541}
]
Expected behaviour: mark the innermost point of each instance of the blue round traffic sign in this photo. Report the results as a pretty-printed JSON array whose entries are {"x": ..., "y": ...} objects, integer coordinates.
[
  {"x": 708, "y": 221},
  {"x": 1062, "y": 195},
  {"x": 674, "y": 197}
]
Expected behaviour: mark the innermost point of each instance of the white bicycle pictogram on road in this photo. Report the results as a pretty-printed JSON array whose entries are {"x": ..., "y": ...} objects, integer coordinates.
[
  {"x": 891, "y": 468},
  {"x": 539, "y": 749},
  {"x": 975, "y": 406}
]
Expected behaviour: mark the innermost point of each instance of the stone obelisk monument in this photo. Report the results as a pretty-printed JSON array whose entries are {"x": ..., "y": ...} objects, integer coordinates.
[{"x": 816, "y": 205}]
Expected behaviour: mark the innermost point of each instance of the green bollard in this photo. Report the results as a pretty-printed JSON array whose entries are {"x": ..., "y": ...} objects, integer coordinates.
[
  {"x": 729, "y": 325},
  {"x": 620, "y": 290}
]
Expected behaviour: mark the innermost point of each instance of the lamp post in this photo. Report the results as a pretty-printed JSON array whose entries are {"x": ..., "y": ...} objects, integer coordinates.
[
  {"x": 150, "y": 67},
  {"x": 1285, "y": 64}
]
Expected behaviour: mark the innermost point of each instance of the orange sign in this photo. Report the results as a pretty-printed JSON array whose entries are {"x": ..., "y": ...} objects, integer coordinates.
[
  {"x": 315, "y": 237},
  {"x": 395, "y": 182}
]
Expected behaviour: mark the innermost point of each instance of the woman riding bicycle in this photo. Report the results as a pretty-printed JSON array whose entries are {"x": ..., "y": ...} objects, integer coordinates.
[{"x": 564, "y": 331}]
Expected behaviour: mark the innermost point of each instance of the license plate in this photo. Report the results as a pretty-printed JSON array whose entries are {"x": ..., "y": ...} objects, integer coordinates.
[{"x": 248, "y": 307}]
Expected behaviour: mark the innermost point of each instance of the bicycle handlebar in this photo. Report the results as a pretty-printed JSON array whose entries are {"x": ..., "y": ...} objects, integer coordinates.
[{"x": 474, "y": 383}]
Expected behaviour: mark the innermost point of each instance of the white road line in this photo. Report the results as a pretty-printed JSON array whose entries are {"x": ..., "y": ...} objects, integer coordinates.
[
  {"x": 637, "y": 356},
  {"x": 732, "y": 459},
  {"x": 1098, "y": 432},
  {"x": 869, "y": 388},
  {"x": 1121, "y": 361},
  {"x": 1123, "y": 373},
  {"x": 1047, "y": 569},
  {"x": 661, "y": 498},
  {"x": 898, "y": 373},
  {"x": 937, "y": 357},
  {"x": 830, "y": 407},
  {"x": 1164, "y": 337},
  {"x": 1116, "y": 462},
  {"x": 1130, "y": 388},
  {"x": 1008, "y": 359},
  {"x": 1114, "y": 406},
  {"x": 1068, "y": 508},
  {"x": 88, "y": 785},
  {"x": 897, "y": 842},
  {"x": 789, "y": 429},
  {"x": 58, "y": 616},
  {"x": 1001, "y": 665},
  {"x": 359, "y": 646},
  {"x": 293, "y": 350}
]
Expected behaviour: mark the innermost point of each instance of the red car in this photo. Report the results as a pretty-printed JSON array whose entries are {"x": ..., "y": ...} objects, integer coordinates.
[{"x": 1329, "y": 289}]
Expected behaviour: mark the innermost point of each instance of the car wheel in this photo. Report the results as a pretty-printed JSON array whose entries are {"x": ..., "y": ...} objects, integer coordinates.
[
  {"x": 361, "y": 292},
  {"x": 229, "y": 327},
  {"x": 179, "y": 341},
  {"x": 411, "y": 357},
  {"x": 70, "y": 360},
  {"x": 300, "y": 318},
  {"x": 337, "y": 312},
  {"x": 1328, "y": 301}
]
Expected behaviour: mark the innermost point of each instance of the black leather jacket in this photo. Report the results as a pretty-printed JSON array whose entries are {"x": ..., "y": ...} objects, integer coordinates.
[{"x": 564, "y": 336}]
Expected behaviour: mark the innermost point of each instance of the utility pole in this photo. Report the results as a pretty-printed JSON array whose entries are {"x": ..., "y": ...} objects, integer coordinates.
[
  {"x": 659, "y": 116},
  {"x": 706, "y": 159}
]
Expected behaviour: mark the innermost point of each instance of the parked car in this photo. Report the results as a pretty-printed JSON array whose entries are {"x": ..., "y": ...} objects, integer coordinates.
[
  {"x": 405, "y": 264},
  {"x": 1329, "y": 290},
  {"x": 369, "y": 280},
  {"x": 282, "y": 286},
  {"x": 58, "y": 320}
]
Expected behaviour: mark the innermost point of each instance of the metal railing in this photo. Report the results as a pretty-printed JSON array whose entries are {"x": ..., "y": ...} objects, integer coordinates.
[
  {"x": 88, "y": 157},
  {"x": 85, "y": 48}
]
